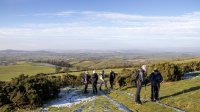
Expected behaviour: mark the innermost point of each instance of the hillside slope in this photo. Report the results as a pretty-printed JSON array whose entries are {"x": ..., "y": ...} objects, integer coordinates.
[{"x": 178, "y": 96}]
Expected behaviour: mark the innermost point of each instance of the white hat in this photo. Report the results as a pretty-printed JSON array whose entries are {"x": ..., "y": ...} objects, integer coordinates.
[{"x": 144, "y": 67}]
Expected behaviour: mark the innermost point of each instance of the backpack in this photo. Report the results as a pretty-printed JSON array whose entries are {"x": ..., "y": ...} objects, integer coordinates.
[
  {"x": 94, "y": 77},
  {"x": 136, "y": 75},
  {"x": 112, "y": 75},
  {"x": 139, "y": 76}
]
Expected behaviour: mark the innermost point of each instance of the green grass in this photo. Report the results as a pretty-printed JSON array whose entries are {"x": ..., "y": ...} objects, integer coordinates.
[
  {"x": 11, "y": 71},
  {"x": 184, "y": 94},
  {"x": 85, "y": 64},
  {"x": 107, "y": 71},
  {"x": 101, "y": 104},
  {"x": 128, "y": 101},
  {"x": 101, "y": 63}
]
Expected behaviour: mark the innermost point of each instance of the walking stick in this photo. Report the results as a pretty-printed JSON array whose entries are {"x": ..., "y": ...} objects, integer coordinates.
[{"x": 145, "y": 95}]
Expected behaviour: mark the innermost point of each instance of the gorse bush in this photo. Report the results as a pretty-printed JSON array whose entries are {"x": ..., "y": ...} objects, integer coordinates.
[
  {"x": 174, "y": 71},
  {"x": 33, "y": 91},
  {"x": 171, "y": 71},
  {"x": 28, "y": 91}
]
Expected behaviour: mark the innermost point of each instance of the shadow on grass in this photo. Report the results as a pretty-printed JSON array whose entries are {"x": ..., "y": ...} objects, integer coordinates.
[
  {"x": 182, "y": 92},
  {"x": 132, "y": 86},
  {"x": 127, "y": 87}
]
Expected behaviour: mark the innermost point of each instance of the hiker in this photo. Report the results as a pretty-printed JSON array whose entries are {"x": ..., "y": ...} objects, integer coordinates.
[
  {"x": 139, "y": 78},
  {"x": 102, "y": 79},
  {"x": 112, "y": 78},
  {"x": 86, "y": 79},
  {"x": 155, "y": 78},
  {"x": 94, "y": 82}
]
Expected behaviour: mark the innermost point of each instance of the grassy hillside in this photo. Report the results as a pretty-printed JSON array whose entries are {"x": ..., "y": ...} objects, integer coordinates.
[
  {"x": 11, "y": 71},
  {"x": 183, "y": 95},
  {"x": 84, "y": 63}
]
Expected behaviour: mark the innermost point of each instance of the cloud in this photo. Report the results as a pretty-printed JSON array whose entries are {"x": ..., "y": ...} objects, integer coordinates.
[
  {"x": 90, "y": 27},
  {"x": 63, "y": 13}
]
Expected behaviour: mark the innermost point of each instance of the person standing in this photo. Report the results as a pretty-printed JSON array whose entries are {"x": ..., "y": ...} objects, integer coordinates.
[
  {"x": 94, "y": 82},
  {"x": 86, "y": 79},
  {"x": 102, "y": 79},
  {"x": 112, "y": 78},
  {"x": 155, "y": 78},
  {"x": 139, "y": 78}
]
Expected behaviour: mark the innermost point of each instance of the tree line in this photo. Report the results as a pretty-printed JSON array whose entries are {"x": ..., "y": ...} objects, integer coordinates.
[{"x": 61, "y": 63}]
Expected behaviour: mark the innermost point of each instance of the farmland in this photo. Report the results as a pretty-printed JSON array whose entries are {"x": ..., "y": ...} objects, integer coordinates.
[{"x": 11, "y": 71}]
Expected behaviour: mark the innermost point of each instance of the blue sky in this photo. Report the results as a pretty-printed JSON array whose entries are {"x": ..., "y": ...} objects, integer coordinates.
[{"x": 99, "y": 24}]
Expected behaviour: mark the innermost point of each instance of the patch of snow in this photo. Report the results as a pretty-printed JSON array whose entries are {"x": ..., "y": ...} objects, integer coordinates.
[
  {"x": 195, "y": 77},
  {"x": 69, "y": 97},
  {"x": 191, "y": 75},
  {"x": 44, "y": 110}
]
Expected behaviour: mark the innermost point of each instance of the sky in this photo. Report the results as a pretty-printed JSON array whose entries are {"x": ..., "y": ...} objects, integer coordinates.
[{"x": 100, "y": 24}]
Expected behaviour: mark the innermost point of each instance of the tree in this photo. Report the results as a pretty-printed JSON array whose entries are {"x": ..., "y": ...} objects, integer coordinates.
[
  {"x": 58, "y": 69},
  {"x": 66, "y": 70},
  {"x": 78, "y": 68}
]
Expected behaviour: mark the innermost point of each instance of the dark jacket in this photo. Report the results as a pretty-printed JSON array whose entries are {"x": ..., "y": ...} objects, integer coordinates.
[
  {"x": 139, "y": 76},
  {"x": 86, "y": 78},
  {"x": 155, "y": 79},
  {"x": 112, "y": 76},
  {"x": 94, "y": 78}
]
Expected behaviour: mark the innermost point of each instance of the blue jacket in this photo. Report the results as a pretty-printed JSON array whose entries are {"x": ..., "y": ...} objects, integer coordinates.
[{"x": 155, "y": 79}]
